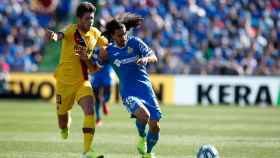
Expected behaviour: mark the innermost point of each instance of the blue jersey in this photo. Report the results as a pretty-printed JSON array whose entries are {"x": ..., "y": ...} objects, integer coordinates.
[
  {"x": 105, "y": 71},
  {"x": 103, "y": 77},
  {"x": 134, "y": 79}
]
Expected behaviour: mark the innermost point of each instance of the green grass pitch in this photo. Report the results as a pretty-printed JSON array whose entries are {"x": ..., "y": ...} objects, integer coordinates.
[{"x": 28, "y": 129}]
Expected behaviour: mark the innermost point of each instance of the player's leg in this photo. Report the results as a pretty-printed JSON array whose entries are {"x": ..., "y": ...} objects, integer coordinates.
[
  {"x": 86, "y": 101},
  {"x": 142, "y": 116},
  {"x": 64, "y": 121},
  {"x": 140, "y": 112},
  {"x": 154, "y": 126},
  {"x": 135, "y": 106},
  {"x": 106, "y": 98},
  {"x": 96, "y": 83},
  {"x": 86, "y": 104},
  {"x": 97, "y": 94},
  {"x": 153, "y": 134},
  {"x": 64, "y": 101}
]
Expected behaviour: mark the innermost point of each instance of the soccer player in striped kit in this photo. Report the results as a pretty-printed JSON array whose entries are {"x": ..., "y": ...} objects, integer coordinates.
[{"x": 71, "y": 75}]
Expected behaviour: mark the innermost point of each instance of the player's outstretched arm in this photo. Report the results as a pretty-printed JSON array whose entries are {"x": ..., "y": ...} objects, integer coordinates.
[{"x": 54, "y": 36}]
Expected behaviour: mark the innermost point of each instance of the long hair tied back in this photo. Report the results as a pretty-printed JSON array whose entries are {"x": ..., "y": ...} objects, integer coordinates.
[{"x": 129, "y": 20}]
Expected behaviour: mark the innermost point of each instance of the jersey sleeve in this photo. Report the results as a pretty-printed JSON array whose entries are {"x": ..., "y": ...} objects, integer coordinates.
[
  {"x": 143, "y": 48},
  {"x": 67, "y": 32},
  {"x": 102, "y": 41}
]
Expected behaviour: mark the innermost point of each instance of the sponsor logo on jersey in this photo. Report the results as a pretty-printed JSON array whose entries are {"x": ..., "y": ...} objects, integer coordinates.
[{"x": 118, "y": 62}]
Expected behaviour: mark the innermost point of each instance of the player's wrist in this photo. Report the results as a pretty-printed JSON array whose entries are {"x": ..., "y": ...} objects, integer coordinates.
[
  {"x": 146, "y": 60},
  {"x": 54, "y": 36}
]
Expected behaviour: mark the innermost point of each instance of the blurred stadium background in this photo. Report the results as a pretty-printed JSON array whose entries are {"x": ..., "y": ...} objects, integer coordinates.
[{"x": 222, "y": 53}]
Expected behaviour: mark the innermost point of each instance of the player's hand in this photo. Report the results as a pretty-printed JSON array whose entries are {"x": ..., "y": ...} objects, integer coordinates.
[
  {"x": 51, "y": 35},
  {"x": 142, "y": 61},
  {"x": 81, "y": 52}
]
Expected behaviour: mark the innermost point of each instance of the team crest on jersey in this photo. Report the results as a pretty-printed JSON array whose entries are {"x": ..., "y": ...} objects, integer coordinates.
[{"x": 129, "y": 50}]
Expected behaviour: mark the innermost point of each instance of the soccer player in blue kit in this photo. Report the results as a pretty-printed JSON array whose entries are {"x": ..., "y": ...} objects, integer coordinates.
[
  {"x": 129, "y": 56},
  {"x": 101, "y": 82}
]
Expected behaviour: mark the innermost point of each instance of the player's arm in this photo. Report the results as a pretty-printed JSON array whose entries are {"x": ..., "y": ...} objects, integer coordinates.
[
  {"x": 96, "y": 61},
  {"x": 147, "y": 59},
  {"x": 86, "y": 58},
  {"x": 147, "y": 55},
  {"x": 102, "y": 41},
  {"x": 100, "y": 59},
  {"x": 54, "y": 36},
  {"x": 92, "y": 68}
]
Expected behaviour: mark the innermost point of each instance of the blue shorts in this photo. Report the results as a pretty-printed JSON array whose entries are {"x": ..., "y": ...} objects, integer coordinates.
[{"x": 132, "y": 103}]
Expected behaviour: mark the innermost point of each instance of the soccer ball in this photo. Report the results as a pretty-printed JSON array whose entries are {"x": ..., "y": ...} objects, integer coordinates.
[{"x": 207, "y": 151}]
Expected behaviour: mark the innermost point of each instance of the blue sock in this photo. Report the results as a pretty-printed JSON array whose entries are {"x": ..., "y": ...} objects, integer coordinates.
[
  {"x": 107, "y": 97},
  {"x": 107, "y": 93},
  {"x": 152, "y": 139},
  {"x": 97, "y": 110},
  {"x": 141, "y": 128}
]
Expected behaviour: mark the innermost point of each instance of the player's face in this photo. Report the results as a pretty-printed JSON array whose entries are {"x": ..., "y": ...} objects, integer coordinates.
[
  {"x": 86, "y": 21},
  {"x": 120, "y": 37}
]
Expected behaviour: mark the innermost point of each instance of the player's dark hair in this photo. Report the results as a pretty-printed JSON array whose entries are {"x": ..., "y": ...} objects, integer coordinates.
[
  {"x": 85, "y": 7},
  {"x": 130, "y": 20},
  {"x": 113, "y": 25},
  {"x": 127, "y": 20}
]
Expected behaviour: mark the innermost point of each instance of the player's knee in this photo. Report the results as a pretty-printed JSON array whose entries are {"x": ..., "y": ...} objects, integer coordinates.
[
  {"x": 142, "y": 115},
  {"x": 87, "y": 105},
  {"x": 154, "y": 126},
  {"x": 157, "y": 129},
  {"x": 145, "y": 115},
  {"x": 88, "y": 109}
]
